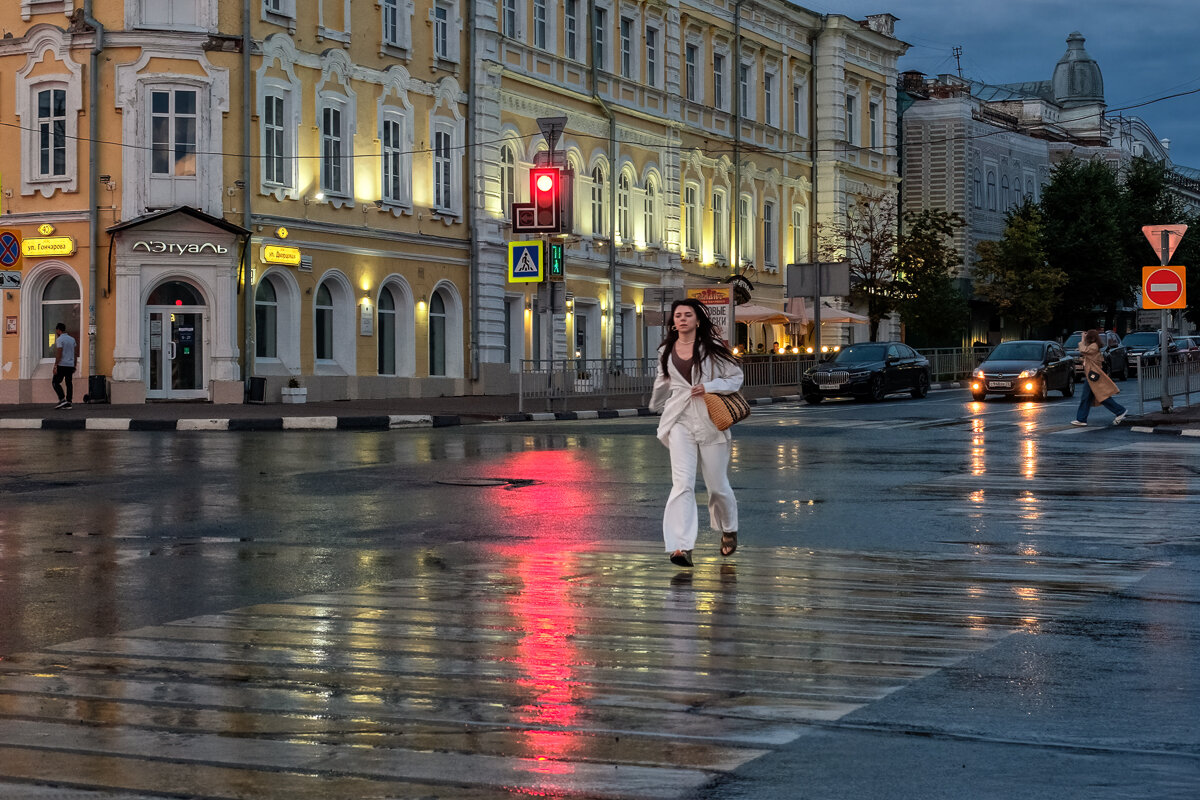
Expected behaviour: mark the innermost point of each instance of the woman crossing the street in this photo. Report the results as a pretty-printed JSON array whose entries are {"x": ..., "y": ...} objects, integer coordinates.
[
  {"x": 1098, "y": 388},
  {"x": 695, "y": 362}
]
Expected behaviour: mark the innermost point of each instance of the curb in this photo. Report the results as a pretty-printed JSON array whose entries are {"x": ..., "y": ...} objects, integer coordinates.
[
  {"x": 1166, "y": 430},
  {"x": 324, "y": 423}
]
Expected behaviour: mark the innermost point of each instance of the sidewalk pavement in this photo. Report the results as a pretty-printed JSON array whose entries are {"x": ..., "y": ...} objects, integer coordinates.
[{"x": 404, "y": 412}]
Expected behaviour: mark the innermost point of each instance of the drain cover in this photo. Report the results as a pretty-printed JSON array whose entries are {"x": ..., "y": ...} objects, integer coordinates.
[{"x": 476, "y": 482}]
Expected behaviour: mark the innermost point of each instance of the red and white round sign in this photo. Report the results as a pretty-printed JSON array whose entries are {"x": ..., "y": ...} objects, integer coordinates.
[{"x": 1163, "y": 287}]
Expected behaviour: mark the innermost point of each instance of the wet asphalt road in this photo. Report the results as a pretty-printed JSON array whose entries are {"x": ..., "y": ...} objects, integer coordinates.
[{"x": 988, "y": 601}]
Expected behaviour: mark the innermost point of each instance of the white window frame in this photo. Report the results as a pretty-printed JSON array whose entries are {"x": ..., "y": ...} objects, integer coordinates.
[
  {"x": 512, "y": 19},
  {"x": 508, "y": 179},
  {"x": 401, "y": 42},
  {"x": 278, "y": 48},
  {"x": 626, "y": 33},
  {"x": 276, "y": 154},
  {"x": 800, "y": 107},
  {"x": 691, "y": 63},
  {"x": 203, "y": 16},
  {"x": 343, "y": 310},
  {"x": 624, "y": 229},
  {"x": 336, "y": 169},
  {"x": 599, "y": 220},
  {"x": 800, "y": 235},
  {"x": 853, "y": 134},
  {"x": 746, "y": 229},
  {"x": 768, "y": 83},
  {"x": 650, "y": 228},
  {"x": 445, "y": 30},
  {"x": 571, "y": 29},
  {"x": 720, "y": 81},
  {"x": 27, "y": 91},
  {"x": 541, "y": 25},
  {"x": 600, "y": 38},
  {"x": 720, "y": 212},
  {"x": 874, "y": 109},
  {"x": 690, "y": 229},
  {"x": 395, "y": 155},
  {"x": 442, "y": 177},
  {"x": 653, "y": 56},
  {"x": 745, "y": 85},
  {"x": 770, "y": 236}
]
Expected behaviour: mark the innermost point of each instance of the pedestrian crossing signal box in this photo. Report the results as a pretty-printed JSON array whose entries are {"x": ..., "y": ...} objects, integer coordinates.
[{"x": 555, "y": 266}]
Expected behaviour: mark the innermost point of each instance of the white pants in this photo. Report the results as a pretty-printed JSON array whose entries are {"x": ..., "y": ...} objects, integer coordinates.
[{"x": 680, "y": 519}]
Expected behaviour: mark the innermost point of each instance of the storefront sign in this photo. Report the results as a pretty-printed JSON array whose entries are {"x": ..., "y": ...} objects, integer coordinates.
[
  {"x": 180, "y": 249},
  {"x": 48, "y": 246},
  {"x": 718, "y": 302},
  {"x": 279, "y": 254}
]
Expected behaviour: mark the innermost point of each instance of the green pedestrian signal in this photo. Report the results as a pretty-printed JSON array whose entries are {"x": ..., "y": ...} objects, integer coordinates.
[{"x": 556, "y": 262}]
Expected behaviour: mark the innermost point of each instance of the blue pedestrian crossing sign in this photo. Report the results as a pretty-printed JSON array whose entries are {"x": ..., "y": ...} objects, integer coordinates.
[{"x": 525, "y": 262}]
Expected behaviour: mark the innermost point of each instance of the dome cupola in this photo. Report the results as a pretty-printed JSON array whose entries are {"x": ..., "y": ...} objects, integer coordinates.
[{"x": 1077, "y": 79}]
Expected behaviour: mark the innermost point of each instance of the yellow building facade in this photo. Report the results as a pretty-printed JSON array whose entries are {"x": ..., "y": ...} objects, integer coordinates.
[{"x": 321, "y": 191}]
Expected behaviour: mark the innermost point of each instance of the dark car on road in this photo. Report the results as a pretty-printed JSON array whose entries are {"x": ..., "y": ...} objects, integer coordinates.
[
  {"x": 871, "y": 370},
  {"x": 1142, "y": 347},
  {"x": 1116, "y": 357},
  {"x": 1027, "y": 368},
  {"x": 1189, "y": 348}
]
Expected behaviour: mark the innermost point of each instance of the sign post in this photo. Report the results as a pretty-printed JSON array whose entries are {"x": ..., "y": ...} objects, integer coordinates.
[{"x": 1163, "y": 288}]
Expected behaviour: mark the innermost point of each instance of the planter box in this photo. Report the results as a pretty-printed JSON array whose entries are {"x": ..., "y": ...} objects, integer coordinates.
[{"x": 294, "y": 394}]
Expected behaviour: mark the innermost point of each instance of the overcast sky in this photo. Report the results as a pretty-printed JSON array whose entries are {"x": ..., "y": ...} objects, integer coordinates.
[{"x": 1146, "y": 50}]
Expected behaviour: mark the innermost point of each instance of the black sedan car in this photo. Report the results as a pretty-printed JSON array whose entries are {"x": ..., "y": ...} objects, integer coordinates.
[
  {"x": 1028, "y": 368},
  {"x": 1112, "y": 350},
  {"x": 1142, "y": 347},
  {"x": 871, "y": 370}
]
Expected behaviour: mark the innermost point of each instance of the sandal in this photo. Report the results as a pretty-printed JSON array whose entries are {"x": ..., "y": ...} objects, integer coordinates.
[
  {"x": 728, "y": 543},
  {"x": 682, "y": 558}
]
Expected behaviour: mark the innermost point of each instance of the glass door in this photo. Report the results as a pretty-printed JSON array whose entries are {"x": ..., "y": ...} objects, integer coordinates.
[{"x": 175, "y": 354}]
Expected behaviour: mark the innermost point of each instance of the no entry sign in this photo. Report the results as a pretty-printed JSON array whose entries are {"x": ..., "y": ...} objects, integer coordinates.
[{"x": 1164, "y": 287}]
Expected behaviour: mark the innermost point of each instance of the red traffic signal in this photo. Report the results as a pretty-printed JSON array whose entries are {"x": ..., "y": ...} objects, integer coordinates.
[{"x": 545, "y": 190}]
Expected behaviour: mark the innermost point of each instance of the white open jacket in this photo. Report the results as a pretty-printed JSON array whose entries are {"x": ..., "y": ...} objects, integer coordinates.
[{"x": 673, "y": 393}]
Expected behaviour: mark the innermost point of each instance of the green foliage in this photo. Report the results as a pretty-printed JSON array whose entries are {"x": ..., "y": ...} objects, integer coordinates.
[
  {"x": 867, "y": 239},
  {"x": 935, "y": 313},
  {"x": 1188, "y": 253},
  {"x": 1081, "y": 231},
  {"x": 1013, "y": 274}
]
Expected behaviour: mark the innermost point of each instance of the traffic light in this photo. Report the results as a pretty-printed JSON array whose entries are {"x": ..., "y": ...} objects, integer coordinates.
[
  {"x": 555, "y": 268},
  {"x": 545, "y": 186}
]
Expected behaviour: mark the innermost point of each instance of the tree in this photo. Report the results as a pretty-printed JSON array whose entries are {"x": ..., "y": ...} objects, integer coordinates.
[
  {"x": 1013, "y": 274},
  {"x": 1081, "y": 229},
  {"x": 934, "y": 311},
  {"x": 867, "y": 239}
]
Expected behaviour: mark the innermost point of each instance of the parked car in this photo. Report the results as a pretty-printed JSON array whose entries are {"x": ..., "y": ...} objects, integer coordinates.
[
  {"x": 1027, "y": 368},
  {"x": 1189, "y": 347},
  {"x": 1142, "y": 347},
  {"x": 871, "y": 370},
  {"x": 1116, "y": 357}
]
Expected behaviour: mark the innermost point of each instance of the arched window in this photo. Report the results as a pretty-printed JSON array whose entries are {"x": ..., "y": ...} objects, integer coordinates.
[
  {"x": 266, "y": 321},
  {"x": 977, "y": 193},
  {"x": 387, "y": 332},
  {"x": 623, "y": 228},
  {"x": 175, "y": 293},
  {"x": 1005, "y": 193},
  {"x": 598, "y": 226},
  {"x": 650, "y": 213},
  {"x": 323, "y": 324},
  {"x": 60, "y": 303},
  {"x": 437, "y": 335},
  {"x": 991, "y": 190},
  {"x": 508, "y": 192}
]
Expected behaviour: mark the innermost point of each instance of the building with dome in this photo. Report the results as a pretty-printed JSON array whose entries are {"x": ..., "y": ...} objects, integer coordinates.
[{"x": 979, "y": 149}]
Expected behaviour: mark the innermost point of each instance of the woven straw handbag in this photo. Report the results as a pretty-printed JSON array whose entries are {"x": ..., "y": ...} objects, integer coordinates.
[{"x": 726, "y": 409}]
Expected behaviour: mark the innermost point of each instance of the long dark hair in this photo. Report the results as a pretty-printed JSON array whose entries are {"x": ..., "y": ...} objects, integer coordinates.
[
  {"x": 706, "y": 337},
  {"x": 1091, "y": 337}
]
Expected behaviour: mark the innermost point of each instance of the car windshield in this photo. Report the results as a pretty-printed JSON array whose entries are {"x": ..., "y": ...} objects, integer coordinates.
[
  {"x": 1017, "y": 351},
  {"x": 1143, "y": 339},
  {"x": 1072, "y": 342},
  {"x": 860, "y": 354}
]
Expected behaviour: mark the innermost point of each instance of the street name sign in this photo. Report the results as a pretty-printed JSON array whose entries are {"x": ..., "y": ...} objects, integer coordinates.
[{"x": 1164, "y": 287}]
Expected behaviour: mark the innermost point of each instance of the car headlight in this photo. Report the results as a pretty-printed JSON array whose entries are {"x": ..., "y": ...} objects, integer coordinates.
[
  {"x": 977, "y": 374},
  {"x": 1028, "y": 373}
]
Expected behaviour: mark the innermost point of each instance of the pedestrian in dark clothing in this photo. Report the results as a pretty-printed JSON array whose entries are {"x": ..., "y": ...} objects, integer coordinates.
[{"x": 64, "y": 365}]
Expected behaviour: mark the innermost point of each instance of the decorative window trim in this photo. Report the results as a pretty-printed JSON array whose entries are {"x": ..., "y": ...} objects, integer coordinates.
[
  {"x": 285, "y": 16},
  {"x": 402, "y": 47},
  {"x": 722, "y": 88},
  {"x": 453, "y": 31},
  {"x": 279, "y": 48},
  {"x": 27, "y": 89},
  {"x": 334, "y": 89},
  {"x": 404, "y": 117},
  {"x": 517, "y": 12},
  {"x": 446, "y": 117},
  {"x": 31, "y": 7},
  {"x": 133, "y": 84},
  {"x": 287, "y": 323},
  {"x": 654, "y": 66},
  {"x": 344, "y": 318},
  {"x": 206, "y": 18},
  {"x": 325, "y": 32}
]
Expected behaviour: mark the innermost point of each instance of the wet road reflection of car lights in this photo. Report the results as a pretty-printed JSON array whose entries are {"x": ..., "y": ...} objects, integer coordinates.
[
  {"x": 1029, "y": 458},
  {"x": 978, "y": 452}
]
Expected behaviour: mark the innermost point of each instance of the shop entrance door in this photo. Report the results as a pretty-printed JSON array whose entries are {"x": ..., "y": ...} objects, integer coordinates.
[{"x": 175, "y": 353}]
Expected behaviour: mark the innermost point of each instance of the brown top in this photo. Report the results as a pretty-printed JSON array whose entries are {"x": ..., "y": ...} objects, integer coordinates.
[{"x": 684, "y": 365}]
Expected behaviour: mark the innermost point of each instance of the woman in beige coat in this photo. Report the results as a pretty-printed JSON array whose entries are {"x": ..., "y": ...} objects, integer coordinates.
[
  {"x": 695, "y": 362},
  {"x": 1098, "y": 388}
]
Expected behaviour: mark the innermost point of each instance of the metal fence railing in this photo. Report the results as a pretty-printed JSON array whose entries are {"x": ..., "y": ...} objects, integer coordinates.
[
  {"x": 1183, "y": 378},
  {"x": 562, "y": 379}
]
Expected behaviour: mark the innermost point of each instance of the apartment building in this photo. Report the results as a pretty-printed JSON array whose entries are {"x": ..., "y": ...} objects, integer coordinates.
[{"x": 208, "y": 192}]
